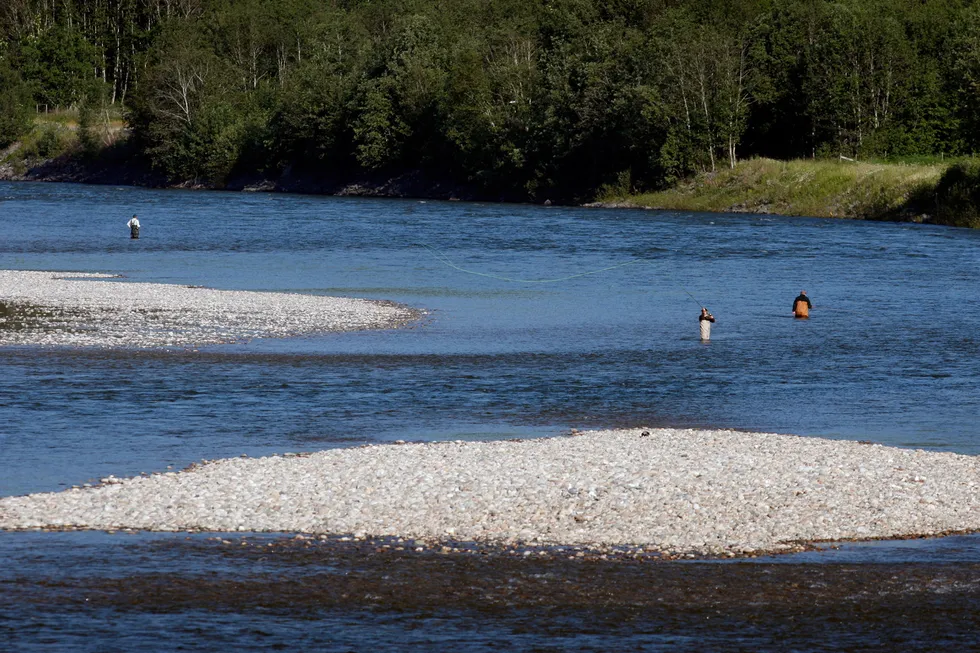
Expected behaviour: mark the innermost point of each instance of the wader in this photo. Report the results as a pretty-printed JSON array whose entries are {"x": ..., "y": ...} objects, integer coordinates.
[
  {"x": 801, "y": 308},
  {"x": 134, "y": 231},
  {"x": 705, "y": 330}
]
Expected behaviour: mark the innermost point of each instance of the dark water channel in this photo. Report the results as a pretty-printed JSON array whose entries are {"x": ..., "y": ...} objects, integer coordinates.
[{"x": 890, "y": 354}]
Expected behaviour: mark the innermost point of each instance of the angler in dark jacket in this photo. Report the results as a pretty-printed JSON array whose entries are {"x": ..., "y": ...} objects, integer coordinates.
[{"x": 802, "y": 305}]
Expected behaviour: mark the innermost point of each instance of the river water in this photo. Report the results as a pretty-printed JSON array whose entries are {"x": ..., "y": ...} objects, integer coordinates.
[{"x": 890, "y": 354}]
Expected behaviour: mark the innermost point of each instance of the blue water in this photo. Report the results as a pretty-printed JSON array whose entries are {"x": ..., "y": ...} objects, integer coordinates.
[{"x": 890, "y": 353}]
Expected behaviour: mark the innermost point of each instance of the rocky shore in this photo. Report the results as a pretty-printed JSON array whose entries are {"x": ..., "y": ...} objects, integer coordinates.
[
  {"x": 124, "y": 168},
  {"x": 98, "y": 310},
  {"x": 705, "y": 493}
]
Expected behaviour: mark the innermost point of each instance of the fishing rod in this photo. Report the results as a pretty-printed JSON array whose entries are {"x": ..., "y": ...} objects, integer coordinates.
[
  {"x": 442, "y": 258},
  {"x": 694, "y": 298}
]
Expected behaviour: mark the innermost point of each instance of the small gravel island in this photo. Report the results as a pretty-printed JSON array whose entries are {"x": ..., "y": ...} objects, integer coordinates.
[
  {"x": 700, "y": 492},
  {"x": 101, "y": 310}
]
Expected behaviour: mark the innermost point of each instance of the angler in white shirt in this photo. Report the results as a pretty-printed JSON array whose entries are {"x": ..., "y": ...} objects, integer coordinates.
[{"x": 134, "y": 227}]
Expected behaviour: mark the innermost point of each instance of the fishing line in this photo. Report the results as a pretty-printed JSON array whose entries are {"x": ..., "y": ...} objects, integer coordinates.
[
  {"x": 442, "y": 258},
  {"x": 839, "y": 310}
]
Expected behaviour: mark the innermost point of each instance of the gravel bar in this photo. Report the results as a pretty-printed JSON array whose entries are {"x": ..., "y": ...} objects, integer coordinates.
[
  {"x": 675, "y": 491},
  {"x": 98, "y": 310}
]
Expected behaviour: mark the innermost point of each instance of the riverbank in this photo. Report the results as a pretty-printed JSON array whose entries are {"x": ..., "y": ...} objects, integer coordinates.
[
  {"x": 100, "y": 310},
  {"x": 120, "y": 164},
  {"x": 704, "y": 493},
  {"x": 816, "y": 188}
]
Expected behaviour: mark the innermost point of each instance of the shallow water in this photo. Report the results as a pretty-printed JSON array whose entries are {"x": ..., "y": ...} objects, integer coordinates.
[{"x": 889, "y": 353}]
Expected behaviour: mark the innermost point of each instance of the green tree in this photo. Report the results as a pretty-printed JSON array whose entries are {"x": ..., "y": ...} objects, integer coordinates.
[
  {"x": 855, "y": 81},
  {"x": 318, "y": 101},
  {"x": 185, "y": 113},
  {"x": 379, "y": 132},
  {"x": 58, "y": 63},
  {"x": 94, "y": 132},
  {"x": 16, "y": 104},
  {"x": 967, "y": 76}
]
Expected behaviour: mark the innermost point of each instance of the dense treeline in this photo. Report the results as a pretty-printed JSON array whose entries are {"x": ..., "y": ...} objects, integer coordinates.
[{"x": 518, "y": 98}]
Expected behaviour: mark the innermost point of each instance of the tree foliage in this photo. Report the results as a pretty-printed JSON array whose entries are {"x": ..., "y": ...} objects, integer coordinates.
[
  {"x": 16, "y": 104},
  {"x": 524, "y": 99},
  {"x": 958, "y": 196}
]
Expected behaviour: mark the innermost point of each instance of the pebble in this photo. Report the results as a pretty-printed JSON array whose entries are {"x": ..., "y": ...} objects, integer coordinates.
[
  {"x": 97, "y": 310},
  {"x": 596, "y": 489}
]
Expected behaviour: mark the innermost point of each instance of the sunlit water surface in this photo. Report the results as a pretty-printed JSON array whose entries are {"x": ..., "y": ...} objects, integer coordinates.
[{"x": 889, "y": 354}]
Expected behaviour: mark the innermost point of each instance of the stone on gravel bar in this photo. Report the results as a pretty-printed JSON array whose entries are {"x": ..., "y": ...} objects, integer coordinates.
[
  {"x": 99, "y": 310},
  {"x": 683, "y": 491}
]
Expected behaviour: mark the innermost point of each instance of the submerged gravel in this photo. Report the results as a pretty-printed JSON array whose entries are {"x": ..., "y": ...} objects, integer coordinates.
[
  {"x": 94, "y": 310},
  {"x": 676, "y": 491}
]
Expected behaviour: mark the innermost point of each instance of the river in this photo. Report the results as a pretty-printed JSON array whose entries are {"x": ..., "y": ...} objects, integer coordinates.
[{"x": 890, "y": 355}]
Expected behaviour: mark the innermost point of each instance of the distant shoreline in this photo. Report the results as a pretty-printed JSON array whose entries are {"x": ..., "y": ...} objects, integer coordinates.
[
  {"x": 805, "y": 188},
  {"x": 128, "y": 171}
]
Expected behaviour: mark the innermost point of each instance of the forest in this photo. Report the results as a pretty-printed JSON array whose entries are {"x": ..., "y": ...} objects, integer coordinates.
[{"x": 520, "y": 99}]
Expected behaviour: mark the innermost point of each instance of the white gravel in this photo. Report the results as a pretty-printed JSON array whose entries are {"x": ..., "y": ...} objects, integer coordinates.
[
  {"x": 90, "y": 310},
  {"x": 676, "y": 491}
]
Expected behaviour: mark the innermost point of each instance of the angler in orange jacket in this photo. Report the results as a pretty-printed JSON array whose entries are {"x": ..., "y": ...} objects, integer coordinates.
[{"x": 802, "y": 305}]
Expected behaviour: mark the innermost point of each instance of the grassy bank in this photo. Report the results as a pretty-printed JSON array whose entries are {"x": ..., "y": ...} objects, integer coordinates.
[
  {"x": 832, "y": 189},
  {"x": 61, "y": 133},
  {"x": 64, "y": 146}
]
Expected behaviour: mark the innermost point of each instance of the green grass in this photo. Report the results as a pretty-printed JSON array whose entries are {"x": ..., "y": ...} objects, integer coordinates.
[
  {"x": 63, "y": 117},
  {"x": 820, "y": 188},
  {"x": 46, "y": 141},
  {"x": 916, "y": 159},
  {"x": 69, "y": 117},
  {"x": 56, "y": 133}
]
